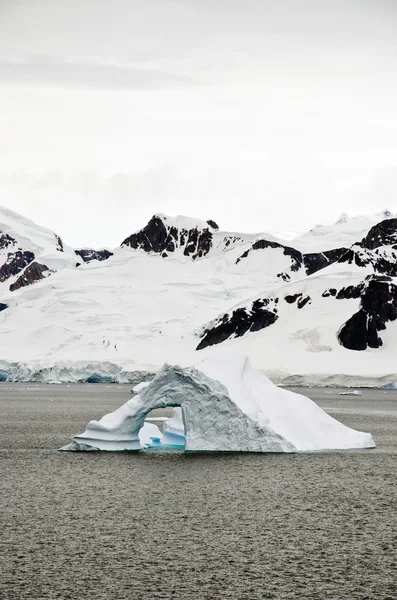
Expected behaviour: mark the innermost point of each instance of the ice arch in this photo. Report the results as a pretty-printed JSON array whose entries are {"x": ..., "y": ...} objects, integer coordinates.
[{"x": 226, "y": 406}]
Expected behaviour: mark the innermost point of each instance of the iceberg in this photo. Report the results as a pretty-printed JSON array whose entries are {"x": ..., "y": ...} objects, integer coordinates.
[
  {"x": 150, "y": 435},
  {"x": 224, "y": 405},
  {"x": 174, "y": 430},
  {"x": 392, "y": 385},
  {"x": 140, "y": 387}
]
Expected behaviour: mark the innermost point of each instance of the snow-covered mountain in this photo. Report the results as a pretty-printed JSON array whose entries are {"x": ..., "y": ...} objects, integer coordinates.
[
  {"x": 29, "y": 253},
  {"x": 322, "y": 311},
  {"x": 343, "y": 232}
]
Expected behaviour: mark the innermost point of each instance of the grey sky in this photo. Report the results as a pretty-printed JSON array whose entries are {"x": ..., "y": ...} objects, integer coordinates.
[{"x": 261, "y": 115}]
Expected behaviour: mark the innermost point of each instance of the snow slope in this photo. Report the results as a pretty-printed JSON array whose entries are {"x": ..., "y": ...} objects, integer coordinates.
[
  {"x": 29, "y": 253},
  {"x": 343, "y": 232},
  {"x": 180, "y": 287},
  {"x": 226, "y": 406}
]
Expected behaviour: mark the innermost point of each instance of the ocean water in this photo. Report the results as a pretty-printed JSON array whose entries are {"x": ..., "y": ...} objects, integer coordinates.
[{"x": 168, "y": 526}]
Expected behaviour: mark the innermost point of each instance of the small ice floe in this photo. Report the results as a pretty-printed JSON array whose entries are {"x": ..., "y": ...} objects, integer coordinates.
[
  {"x": 351, "y": 393},
  {"x": 392, "y": 385}
]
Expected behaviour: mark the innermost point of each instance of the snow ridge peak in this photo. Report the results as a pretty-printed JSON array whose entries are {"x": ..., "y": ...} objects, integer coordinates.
[{"x": 164, "y": 235}]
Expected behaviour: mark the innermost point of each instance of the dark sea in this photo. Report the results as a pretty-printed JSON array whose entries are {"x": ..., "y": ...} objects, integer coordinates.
[{"x": 150, "y": 525}]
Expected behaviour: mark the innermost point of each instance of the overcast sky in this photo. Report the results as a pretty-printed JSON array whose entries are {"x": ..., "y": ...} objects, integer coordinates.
[{"x": 263, "y": 115}]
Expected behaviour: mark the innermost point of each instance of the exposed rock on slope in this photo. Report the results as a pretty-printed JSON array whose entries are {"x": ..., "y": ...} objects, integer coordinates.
[
  {"x": 15, "y": 263},
  {"x": 296, "y": 257},
  {"x": 319, "y": 260},
  {"x": 381, "y": 234},
  {"x": 260, "y": 314},
  {"x": 29, "y": 253},
  {"x": 34, "y": 272},
  {"x": 6, "y": 241},
  {"x": 164, "y": 235},
  {"x": 378, "y": 306},
  {"x": 311, "y": 262},
  {"x": 87, "y": 255}
]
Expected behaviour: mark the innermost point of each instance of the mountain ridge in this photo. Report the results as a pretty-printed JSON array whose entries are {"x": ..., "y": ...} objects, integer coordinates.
[{"x": 178, "y": 287}]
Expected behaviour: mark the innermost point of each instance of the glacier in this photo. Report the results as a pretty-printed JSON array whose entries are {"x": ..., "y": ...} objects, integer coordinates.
[{"x": 225, "y": 405}]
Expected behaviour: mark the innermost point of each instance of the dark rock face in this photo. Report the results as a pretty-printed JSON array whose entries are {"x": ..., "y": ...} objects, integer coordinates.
[
  {"x": 302, "y": 300},
  {"x": 239, "y": 322},
  {"x": 382, "y": 234},
  {"x": 15, "y": 263},
  {"x": 212, "y": 224},
  {"x": 378, "y": 306},
  {"x": 292, "y": 298},
  {"x": 198, "y": 243},
  {"x": 319, "y": 260},
  {"x": 354, "y": 255},
  {"x": 152, "y": 238},
  {"x": 3, "y": 306},
  {"x": 329, "y": 292},
  {"x": 387, "y": 266},
  {"x": 6, "y": 241},
  {"x": 381, "y": 260},
  {"x": 159, "y": 238},
  {"x": 231, "y": 239},
  {"x": 32, "y": 273},
  {"x": 350, "y": 291},
  {"x": 59, "y": 243},
  {"x": 89, "y": 255}
]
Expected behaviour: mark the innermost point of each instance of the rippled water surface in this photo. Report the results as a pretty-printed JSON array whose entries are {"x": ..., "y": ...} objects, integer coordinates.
[{"x": 192, "y": 526}]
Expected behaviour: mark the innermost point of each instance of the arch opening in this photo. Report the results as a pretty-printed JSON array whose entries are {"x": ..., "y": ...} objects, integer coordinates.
[{"x": 164, "y": 429}]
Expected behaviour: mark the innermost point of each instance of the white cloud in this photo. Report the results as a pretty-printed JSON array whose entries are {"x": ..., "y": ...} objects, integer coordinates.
[{"x": 259, "y": 114}]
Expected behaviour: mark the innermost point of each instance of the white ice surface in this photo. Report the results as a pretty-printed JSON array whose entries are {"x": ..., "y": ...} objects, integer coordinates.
[
  {"x": 150, "y": 434},
  {"x": 226, "y": 405},
  {"x": 137, "y": 389},
  {"x": 174, "y": 430}
]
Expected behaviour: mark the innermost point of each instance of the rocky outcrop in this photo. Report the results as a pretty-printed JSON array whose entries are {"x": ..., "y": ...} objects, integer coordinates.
[
  {"x": 162, "y": 238},
  {"x": 6, "y": 241},
  {"x": 302, "y": 300},
  {"x": 59, "y": 243},
  {"x": 88, "y": 255},
  {"x": 382, "y": 260},
  {"x": 319, "y": 260},
  {"x": 295, "y": 255},
  {"x": 3, "y": 306},
  {"x": 382, "y": 234},
  {"x": 34, "y": 272},
  {"x": 261, "y": 314},
  {"x": 312, "y": 262},
  {"x": 15, "y": 263},
  {"x": 378, "y": 306},
  {"x": 329, "y": 292},
  {"x": 212, "y": 224},
  {"x": 291, "y": 298}
]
